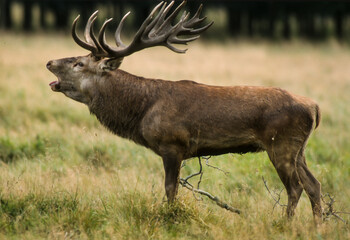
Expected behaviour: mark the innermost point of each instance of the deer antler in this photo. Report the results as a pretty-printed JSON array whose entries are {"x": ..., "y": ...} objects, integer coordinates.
[{"x": 156, "y": 30}]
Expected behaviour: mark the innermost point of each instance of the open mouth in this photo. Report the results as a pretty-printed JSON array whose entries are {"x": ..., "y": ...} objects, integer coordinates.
[{"x": 55, "y": 86}]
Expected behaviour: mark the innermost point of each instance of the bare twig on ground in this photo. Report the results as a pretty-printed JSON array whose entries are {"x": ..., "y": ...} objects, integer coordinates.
[
  {"x": 214, "y": 198},
  {"x": 275, "y": 196},
  {"x": 184, "y": 182},
  {"x": 207, "y": 163},
  {"x": 330, "y": 211},
  {"x": 200, "y": 172}
]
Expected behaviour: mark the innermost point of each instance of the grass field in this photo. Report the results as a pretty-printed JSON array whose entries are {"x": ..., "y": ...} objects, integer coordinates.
[{"x": 63, "y": 176}]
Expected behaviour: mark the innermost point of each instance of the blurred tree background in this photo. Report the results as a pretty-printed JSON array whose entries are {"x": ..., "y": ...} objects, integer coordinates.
[{"x": 279, "y": 19}]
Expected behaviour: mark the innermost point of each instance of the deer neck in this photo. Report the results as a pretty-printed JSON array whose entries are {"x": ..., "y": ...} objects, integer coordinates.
[{"x": 120, "y": 101}]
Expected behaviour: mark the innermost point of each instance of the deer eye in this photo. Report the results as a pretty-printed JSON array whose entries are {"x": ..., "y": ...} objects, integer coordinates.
[{"x": 80, "y": 64}]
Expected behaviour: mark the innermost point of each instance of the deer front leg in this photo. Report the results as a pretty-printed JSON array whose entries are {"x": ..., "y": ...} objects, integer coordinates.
[{"x": 172, "y": 163}]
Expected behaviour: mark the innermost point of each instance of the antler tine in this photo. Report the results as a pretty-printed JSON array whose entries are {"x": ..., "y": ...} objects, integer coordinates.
[
  {"x": 187, "y": 28},
  {"x": 167, "y": 22},
  {"x": 155, "y": 20},
  {"x": 166, "y": 10},
  {"x": 174, "y": 49},
  {"x": 145, "y": 23},
  {"x": 80, "y": 42},
  {"x": 87, "y": 31},
  {"x": 195, "y": 18},
  {"x": 100, "y": 52},
  {"x": 199, "y": 11},
  {"x": 161, "y": 18},
  {"x": 200, "y": 30},
  {"x": 102, "y": 35},
  {"x": 118, "y": 31}
]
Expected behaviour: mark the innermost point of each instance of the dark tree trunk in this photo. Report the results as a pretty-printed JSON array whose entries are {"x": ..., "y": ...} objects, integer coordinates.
[
  {"x": 339, "y": 24},
  {"x": 7, "y": 14},
  {"x": 28, "y": 16},
  {"x": 234, "y": 21}
]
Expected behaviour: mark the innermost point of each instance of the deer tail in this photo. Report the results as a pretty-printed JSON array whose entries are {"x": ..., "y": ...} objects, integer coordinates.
[{"x": 318, "y": 115}]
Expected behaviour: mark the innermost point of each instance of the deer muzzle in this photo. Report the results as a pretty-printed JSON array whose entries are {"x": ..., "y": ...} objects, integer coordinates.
[{"x": 55, "y": 85}]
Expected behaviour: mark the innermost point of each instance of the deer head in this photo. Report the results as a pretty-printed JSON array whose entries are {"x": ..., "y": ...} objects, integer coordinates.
[{"x": 76, "y": 74}]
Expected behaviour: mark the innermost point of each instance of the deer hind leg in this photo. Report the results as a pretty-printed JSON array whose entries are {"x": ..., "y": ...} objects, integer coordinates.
[
  {"x": 294, "y": 191},
  {"x": 284, "y": 161},
  {"x": 172, "y": 163},
  {"x": 311, "y": 185}
]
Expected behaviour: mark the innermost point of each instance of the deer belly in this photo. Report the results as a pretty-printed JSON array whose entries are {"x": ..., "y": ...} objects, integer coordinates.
[
  {"x": 208, "y": 151},
  {"x": 222, "y": 146}
]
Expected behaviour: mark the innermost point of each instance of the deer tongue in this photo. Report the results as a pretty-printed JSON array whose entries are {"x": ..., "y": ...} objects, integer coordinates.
[{"x": 55, "y": 85}]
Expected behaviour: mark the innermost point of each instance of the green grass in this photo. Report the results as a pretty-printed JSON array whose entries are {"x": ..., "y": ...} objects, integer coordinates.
[{"x": 62, "y": 175}]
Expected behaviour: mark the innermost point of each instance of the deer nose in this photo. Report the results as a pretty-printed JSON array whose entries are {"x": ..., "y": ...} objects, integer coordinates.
[{"x": 48, "y": 65}]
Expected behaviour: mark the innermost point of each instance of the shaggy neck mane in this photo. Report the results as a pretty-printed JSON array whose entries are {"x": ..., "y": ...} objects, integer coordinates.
[{"x": 120, "y": 102}]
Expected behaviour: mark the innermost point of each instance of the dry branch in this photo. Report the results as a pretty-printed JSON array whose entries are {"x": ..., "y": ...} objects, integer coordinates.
[
  {"x": 184, "y": 182},
  {"x": 330, "y": 211},
  {"x": 276, "y": 196},
  {"x": 207, "y": 163}
]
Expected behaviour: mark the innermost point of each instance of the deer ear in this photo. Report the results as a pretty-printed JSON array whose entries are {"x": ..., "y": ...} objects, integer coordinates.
[{"x": 110, "y": 64}]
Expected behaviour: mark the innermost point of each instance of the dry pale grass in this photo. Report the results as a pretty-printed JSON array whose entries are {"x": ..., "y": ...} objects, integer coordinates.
[{"x": 62, "y": 175}]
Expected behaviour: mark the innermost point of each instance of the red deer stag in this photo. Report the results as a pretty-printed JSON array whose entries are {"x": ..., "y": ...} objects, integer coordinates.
[{"x": 184, "y": 119}]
